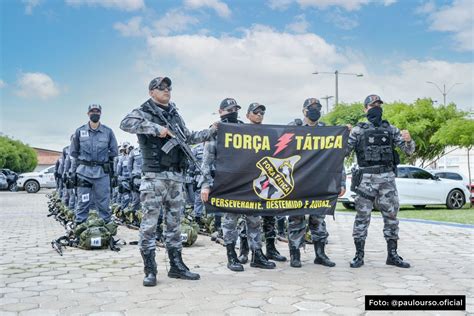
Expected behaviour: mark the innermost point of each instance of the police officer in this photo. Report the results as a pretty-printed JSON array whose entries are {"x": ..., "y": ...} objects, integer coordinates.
[
  {"x": 69, "y": 197},
  {"x": 255, "y": 114},
  {"x": 374, "y": 181},
  {"x": 135, "y": 165},
  {"x": 114, "y": 182},
  {"x": 123, "y": 176},
  {"x": 316, "y": 223},
  {"x": 198, "y": 152},
  {"x": 162, "y": 177},
  {"x": 93, "y": 148},
  {"x": 228, "y": 112}
]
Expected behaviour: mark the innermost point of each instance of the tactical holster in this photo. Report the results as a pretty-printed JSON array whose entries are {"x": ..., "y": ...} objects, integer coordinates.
[{"x": 81, "y": 182}]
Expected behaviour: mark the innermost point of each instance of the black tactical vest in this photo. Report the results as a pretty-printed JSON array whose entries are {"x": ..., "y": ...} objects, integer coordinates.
[
  {"x": 154, "y": 159},
  {"x": 376, "y": 145}
]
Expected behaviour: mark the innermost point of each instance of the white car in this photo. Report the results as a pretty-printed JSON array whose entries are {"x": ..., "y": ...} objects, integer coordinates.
[
  {"x": 32, "y": 182},
  {"x": 419, "y": 188}
]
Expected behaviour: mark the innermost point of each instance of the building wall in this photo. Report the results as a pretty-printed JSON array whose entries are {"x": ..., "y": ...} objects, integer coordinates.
[
  {"x": 456, "y": 160},
  {"x": 46, "y": 158}
]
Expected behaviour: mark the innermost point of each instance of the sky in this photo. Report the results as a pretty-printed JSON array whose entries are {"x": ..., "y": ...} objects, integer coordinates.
[{"x": 57, "y": 57}]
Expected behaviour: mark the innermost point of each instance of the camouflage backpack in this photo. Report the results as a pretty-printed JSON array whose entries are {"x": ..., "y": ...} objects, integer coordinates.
[
  {"x": 94, "y": 233},
  {"x": 189, "y": 231}
]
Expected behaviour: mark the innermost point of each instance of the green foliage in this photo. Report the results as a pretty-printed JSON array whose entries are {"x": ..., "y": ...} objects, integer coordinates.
[
  {"x": 457, "y": 131},
  {"x": 423, "y": 121},
  {"x": 17, "y": 156},
  {"x": 432, "y": 128},
  {"x": 344, "y": 114}
]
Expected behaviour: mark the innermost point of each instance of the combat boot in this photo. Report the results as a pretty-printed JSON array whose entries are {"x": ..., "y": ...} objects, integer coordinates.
[
  {"x": 244, "y": 250},
  {"x": 321, "y": 257},
  {"x": 178, "y": 270},
  {"x": 393, "y": 258},
  {"x": 150, "y": 267},
  {"x": 272, "y": 252},
  {"x": 232, "y": 261},
  {"x": 295, "y": 257},
  {"x": 260, "y": 261},
  {"x": 358, "y": 260}
]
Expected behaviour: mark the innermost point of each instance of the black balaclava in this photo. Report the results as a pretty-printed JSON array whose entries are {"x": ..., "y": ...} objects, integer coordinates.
[
  {"x": 374, "y": 115},
  {"x": 230, "y": 117}
]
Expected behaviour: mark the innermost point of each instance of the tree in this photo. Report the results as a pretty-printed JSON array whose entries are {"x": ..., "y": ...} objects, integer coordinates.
[
  {"x": 422, "y": 120},
  {"x": 457, "y": 132},
  {"x": 344, "y": 114},
  {"x": 17, "y": 156}
]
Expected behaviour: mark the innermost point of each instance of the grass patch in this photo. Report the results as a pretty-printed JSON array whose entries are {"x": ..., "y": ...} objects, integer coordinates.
[{"x": 432, "y": 213}]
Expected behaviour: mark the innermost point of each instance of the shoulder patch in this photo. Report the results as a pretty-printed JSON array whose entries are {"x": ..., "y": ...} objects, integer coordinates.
[{"x": 363, "y": 125}]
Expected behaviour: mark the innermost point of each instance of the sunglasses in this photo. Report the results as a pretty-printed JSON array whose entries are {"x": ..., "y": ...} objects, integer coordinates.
[
  {"x": 163, "y": 87},
  {"x": 258, "y": 111}
]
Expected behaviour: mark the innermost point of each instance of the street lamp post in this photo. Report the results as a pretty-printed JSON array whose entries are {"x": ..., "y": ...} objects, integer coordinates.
[
  {"x": 337, "y": 73},
  {"x": 327, "y": 102},
  {"x": 443, "y": 92}
]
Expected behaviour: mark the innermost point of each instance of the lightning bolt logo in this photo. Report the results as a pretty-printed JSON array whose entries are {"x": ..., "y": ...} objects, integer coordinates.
[{"x": 283, "y": 142}]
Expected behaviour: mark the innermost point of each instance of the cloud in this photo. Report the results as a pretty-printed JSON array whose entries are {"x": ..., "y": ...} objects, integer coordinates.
[
  {"x": 340, "y": 20},
  {"x": 275, "y": 68},
  {"x": 457, "y": 19},
  {"x": 300, "y": 25},
  {"x": 279, "y": 4},
  {"x": 173, "y": 21},
  {"x": 125, "y": 5},
  {"x": 409, "y": 81},
  {"x": 348, "y": 5},
  {"x": 132, "y": 28},
  {"x": 2, "y": 84},
  {"x": 33, "y": 85},
  {"x": 30, "y": 5},
  {"x": 220, "y": 7}
]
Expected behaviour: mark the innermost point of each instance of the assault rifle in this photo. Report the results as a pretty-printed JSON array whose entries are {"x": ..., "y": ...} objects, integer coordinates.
[{"x": 178, "y": 139}]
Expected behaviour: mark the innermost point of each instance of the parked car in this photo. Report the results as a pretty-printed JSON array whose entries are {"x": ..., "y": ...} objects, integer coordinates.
[
  {"x": 32, "y": 182},
  {"x": 3, "y": 182},
  {"x": 455, "y": 175},
  {"x": 419, "y": 188},
  {"x": 11, "y": 178}
]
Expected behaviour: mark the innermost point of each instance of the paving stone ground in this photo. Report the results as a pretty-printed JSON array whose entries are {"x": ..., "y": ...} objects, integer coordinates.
[{"x": 35, "y": 280}]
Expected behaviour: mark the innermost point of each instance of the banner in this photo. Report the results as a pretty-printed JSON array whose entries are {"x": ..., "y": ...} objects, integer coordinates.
[{"x": 277, "y": 169}]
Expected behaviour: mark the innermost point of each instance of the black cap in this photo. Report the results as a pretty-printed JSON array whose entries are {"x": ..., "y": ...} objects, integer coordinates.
[
  {"x": 157, "y": 81},
  {"x": 254, "y": 106},
  {"x": 311, "y": 102},
  {"x": 229, "y": 103}
]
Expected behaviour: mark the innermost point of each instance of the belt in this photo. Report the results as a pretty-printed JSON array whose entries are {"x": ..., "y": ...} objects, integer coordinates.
[
  {"x": 376, "y": 169},
  {"x": 91, "y": 163}
]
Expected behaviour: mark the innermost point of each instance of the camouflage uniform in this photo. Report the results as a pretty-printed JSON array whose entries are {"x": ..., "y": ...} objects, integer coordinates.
[
  {"x": 162, "y": 180},
  {"x": 374, "y": 180},
  {"x": 135, "y": 165},
  {"x": 123, "y": 174},
  {"x": 316, "y": 223},
  {"x": 163, "y": 189},
  {"x": 198, "y": 209},
  {"x": 229, "y": 220},
  {"x": 380, "y": 187}
]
